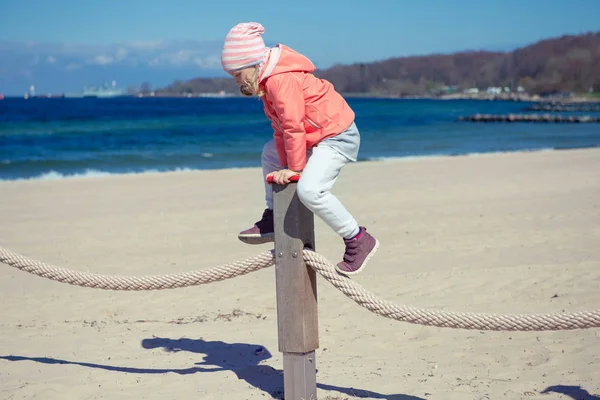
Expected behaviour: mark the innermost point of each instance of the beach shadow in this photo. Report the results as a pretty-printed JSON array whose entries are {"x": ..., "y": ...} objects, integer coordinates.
[
  {"x": 574, "y": 392},
  {"x": 48, "y": 360},
  {"x": 243, "y": 359}
]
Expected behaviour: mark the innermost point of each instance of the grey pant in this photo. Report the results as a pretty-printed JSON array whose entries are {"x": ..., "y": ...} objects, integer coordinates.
[{"x": 324, "y": 163}]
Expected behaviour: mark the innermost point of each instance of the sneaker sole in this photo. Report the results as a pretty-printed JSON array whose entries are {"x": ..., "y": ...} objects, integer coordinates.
[
  {"x": 364, "y": 264},
  {"x": 257, "y": 238}
]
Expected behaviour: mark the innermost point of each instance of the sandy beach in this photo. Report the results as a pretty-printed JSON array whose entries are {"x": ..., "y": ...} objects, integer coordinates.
[{"x": 504, "y": 233}]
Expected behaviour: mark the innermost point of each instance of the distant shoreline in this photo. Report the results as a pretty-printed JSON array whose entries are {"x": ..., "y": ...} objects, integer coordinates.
[{"x": 459, "y": 96}]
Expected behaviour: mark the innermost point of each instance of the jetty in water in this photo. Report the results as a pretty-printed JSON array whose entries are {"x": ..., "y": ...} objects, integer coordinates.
[
  {"x": 566, "y": 107},
  {"x": 543, "y": 118}
]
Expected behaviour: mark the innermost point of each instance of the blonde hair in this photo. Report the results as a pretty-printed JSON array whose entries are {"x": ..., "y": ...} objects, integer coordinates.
[{"x": 251, "y": 86}]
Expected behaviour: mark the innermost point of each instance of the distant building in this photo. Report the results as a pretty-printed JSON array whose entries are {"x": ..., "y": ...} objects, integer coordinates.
[
  {"x": 449, "y": 89},
  {"x": 494, "y": 90}
]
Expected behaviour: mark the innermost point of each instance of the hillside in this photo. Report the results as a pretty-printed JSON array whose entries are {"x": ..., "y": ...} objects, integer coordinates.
[{"x": 552, "y": 65}]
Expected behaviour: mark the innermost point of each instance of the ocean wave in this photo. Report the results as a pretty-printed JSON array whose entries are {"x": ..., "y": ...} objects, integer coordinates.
[
  {"x": 197, "y": 124},
  {"x": 91, "y": 173},
  {"x": 96, "y": 173},
  {"x": 458, "y": 154}
]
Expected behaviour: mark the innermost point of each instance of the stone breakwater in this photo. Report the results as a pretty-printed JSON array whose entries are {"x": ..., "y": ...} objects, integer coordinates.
[
  {"x": 543, "y": 118},
  {"x": 565, "y": 107}
]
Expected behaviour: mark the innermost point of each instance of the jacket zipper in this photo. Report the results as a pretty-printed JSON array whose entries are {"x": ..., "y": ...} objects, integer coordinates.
[
  {"x": 310, "y": 121},
  {"x": 313, "y": 123}
]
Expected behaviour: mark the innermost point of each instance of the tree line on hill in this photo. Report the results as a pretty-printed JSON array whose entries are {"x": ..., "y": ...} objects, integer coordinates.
[{"x": 565, "y": 64}]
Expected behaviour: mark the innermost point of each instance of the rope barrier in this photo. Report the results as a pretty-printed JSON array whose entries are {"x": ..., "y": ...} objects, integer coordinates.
[
  {"x": 449, "y": 319},
  {"x": 366, "y": 299},
  {"x": 150, "y": 282}
]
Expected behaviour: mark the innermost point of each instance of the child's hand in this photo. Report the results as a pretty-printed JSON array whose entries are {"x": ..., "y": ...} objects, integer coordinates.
[{"x": 283, "y": 176}]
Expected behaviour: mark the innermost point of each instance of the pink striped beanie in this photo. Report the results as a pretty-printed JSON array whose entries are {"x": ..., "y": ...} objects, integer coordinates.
[{"x": 244, "y": 46}]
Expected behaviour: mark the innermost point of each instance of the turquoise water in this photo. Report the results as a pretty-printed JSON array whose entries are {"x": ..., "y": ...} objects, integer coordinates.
[{"x": 58, "y": 138}]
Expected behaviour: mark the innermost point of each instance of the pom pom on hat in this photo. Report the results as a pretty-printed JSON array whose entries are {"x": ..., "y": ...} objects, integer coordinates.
[{"x": 244, "y": 46}]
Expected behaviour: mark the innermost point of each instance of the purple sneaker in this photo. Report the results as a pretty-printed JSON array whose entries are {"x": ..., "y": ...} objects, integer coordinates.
[
  {"x": 263, "y": 231},
  {"x": 358, "y": 252}
]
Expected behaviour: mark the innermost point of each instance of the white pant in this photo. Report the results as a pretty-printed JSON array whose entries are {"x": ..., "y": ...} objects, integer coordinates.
[{"x": 323, "y": 166}]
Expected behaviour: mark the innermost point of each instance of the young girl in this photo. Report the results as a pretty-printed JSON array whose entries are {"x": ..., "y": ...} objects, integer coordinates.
[{"x": 314, "y": 136}]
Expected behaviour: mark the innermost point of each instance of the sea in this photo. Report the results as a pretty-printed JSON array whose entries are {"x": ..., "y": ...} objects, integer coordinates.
[{"x": 61, "y": 138}]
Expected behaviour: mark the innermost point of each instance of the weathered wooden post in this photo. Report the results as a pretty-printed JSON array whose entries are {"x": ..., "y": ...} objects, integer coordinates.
[{"x": 296, "y": 284}]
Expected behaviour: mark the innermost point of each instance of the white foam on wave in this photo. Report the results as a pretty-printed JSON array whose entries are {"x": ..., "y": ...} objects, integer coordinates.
[
  {"x": 476, "y": 154},
  {"x": 91, "y": 173}
]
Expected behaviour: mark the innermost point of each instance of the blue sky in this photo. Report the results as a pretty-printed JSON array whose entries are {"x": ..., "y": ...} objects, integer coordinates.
[{"x": 328, "y": 31}]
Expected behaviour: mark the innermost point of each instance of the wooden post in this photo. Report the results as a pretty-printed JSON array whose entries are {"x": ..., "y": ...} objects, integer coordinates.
[{"x": 296, "y": 284}]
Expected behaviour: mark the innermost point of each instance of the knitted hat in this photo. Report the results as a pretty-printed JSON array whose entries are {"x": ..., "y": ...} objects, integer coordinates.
[{"x": 243, "y": 46}]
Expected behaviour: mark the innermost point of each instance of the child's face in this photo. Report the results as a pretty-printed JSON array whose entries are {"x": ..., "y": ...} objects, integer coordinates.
[{"x": 243, "y": 76}]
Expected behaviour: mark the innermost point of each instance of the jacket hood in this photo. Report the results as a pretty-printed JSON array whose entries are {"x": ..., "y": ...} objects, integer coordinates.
[{"x": 283, "y": 59}]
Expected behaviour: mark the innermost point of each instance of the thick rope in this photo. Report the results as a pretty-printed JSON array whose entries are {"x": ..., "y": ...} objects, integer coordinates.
[
  {"x": 150, "y": 282},
  {"x": 448, "y": 319},
  {"x": 443, "y": 319}
]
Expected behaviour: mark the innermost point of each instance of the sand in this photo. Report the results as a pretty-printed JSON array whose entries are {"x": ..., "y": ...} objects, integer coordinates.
[{"x": 502, "y": 233}]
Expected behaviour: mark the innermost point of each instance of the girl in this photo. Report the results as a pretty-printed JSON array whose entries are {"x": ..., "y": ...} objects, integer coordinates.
[{"x": 314, "y": 136}]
